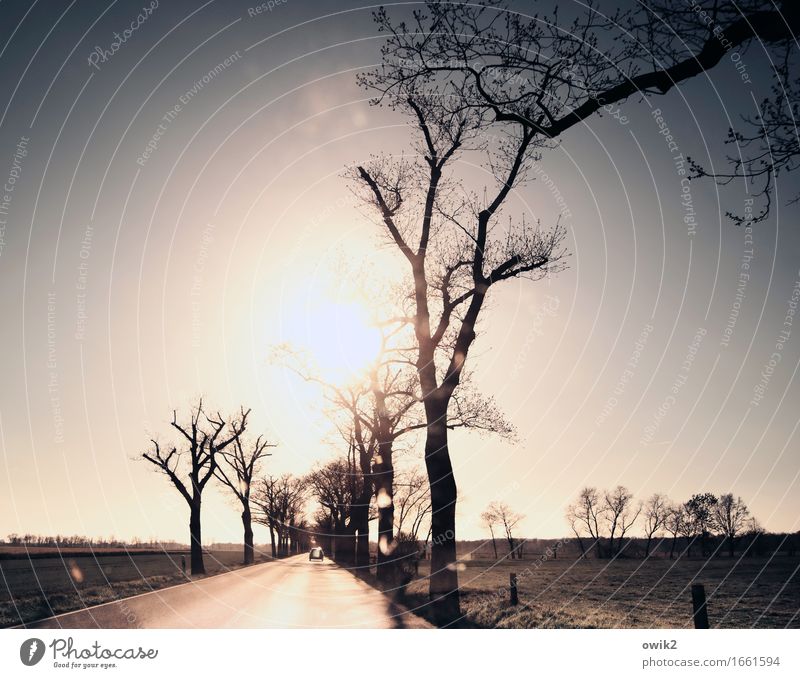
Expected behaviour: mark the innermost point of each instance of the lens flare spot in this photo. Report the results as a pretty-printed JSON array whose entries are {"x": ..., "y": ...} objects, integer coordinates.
[
  {"x": 383, "y": 500},
  {"x": 75, "y": 572}
]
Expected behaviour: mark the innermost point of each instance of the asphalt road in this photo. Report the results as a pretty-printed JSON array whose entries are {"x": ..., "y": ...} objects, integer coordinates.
[{"x": 291, "y": 593}]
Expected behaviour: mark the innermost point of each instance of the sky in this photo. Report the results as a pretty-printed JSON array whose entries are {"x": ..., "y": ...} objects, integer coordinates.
[{"x": 178, "y": 208}]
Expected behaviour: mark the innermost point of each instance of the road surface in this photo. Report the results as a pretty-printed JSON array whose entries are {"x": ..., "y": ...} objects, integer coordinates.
[{"x": 291, "y": 593}]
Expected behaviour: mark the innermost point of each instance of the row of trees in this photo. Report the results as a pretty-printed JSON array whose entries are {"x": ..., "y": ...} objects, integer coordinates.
[
  {"x": 74, "y": 540},
  {"x": 349, "y": 491},
  {"x": 464, "y": 73},
  {"x": 215, "y": 447},
  {"x": 601, "y": 521}
]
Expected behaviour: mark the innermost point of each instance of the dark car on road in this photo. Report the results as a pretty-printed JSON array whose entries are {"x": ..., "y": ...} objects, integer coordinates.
[{"x": 316, "y": 554}]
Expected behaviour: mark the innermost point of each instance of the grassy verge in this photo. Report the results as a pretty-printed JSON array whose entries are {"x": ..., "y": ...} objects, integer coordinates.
[
  {"x": 43, "y": 587},
  {"x": 742, "y": 593}
]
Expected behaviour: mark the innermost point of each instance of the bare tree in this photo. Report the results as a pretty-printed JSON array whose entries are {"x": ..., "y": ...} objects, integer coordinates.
[
  {"x": 489, "y": 519},
  {"x": 585, "y": 513},
  {"x": 508, "y": 519},
  {"x": 203, "y": 442},
  {"x": 620, "y": 513},
  {"x": 279, "y": 502},
  {"x": 456, "y": 252},
  {"x": 412, "y": 504},
  {"x": 730, "y": 516},
  {"x": 656, "y": 510},
  {"x": 674, "y": 523},
  {"x": 241, "y": 465}
]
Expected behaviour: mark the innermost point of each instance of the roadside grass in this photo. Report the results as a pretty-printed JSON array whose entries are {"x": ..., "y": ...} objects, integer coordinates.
[
  {"x": 626, "y": 593},
  {"x": 35, "y": 588}
]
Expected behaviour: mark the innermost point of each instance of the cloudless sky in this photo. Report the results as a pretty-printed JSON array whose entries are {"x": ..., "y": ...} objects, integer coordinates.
[{"x": 129, "y": 288}]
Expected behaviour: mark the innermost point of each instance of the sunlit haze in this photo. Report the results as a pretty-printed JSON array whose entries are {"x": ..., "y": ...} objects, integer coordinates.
[{"x": 138, "y": 276}]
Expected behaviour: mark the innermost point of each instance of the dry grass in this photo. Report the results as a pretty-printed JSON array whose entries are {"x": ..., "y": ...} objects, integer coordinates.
[
  {"x": 40, "y": 587},
  {"x": 751, "y": 592}
]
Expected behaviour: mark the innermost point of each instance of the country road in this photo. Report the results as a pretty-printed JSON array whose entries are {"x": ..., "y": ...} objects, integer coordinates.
[{"x": 291, "y": 593}]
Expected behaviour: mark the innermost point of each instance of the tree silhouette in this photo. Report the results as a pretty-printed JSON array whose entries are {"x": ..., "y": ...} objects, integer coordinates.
[
  {"x": 279, "y": 504},
  {"x": 656, "y": 511},
  {"x": 620, "y": 514},
  {"x": 203, "y": 442},
  {"x": 699, "y": 511},
  {"x": 500, "y": 513},
  {"x": 240, "y": 464},
  {"x": 490, "y": 520},
  {"x": 585, "y": 513},
  {"x": 468, "y": 73},
  {"x": 730, "y": 516}
]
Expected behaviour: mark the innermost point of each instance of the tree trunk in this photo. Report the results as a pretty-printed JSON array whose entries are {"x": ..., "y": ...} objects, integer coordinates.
[
  {"x": 345, "y": 546},
  {"x": 647, "y": 547},
  {"x": 384, "y": 491},
  {"x": 196, "y": 538},
  {"x": 272, "y": 540},
  {"x": 444, "y": 574},
  {"x": 730, "y": 547},
  {"x": 360, "y": 521},
  {"x": 247, "y": 524},
  {"x": 672, "y": 546}
]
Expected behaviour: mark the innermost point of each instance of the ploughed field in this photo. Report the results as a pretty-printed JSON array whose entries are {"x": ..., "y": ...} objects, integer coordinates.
[
  {"x": 49, "y": 583},
  {"x": 624, "y": 593}
]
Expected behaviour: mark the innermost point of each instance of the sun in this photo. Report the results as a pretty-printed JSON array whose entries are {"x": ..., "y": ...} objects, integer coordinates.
[{"x": 336, "y": 336}]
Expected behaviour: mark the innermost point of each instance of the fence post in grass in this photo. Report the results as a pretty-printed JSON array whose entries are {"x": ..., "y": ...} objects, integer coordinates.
[
  {"x": 700, "y": 610},
  {"x": 513, "y": 597}
]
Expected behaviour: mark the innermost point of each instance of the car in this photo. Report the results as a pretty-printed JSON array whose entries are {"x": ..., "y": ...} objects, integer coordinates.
[{"x": 316, "y": 554}]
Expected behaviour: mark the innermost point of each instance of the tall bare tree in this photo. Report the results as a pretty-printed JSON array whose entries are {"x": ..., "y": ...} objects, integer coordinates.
[
  {"x": 203, "y": 441},
  {"x": 585, "y": 514},
  {"x": 620, "y": 513},
  {"x": 239, "y": 464},
  {"x": 730, "y": 516},
  {"x": 655, "y": 512},
  {"x": 456, "y": 252}
]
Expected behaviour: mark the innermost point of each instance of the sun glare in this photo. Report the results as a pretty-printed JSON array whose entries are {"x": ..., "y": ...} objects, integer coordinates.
[{"x": 337, "y": 337}]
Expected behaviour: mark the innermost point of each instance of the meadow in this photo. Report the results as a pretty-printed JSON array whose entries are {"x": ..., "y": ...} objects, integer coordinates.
[
  {"x": 624, "y": 593},
  {"x": 49, "y": 582}
]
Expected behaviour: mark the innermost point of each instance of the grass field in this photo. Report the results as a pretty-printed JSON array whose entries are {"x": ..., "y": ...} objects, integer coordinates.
[
  {"x": 742, "y": 593},
  {"x": 36, "y": 587}
]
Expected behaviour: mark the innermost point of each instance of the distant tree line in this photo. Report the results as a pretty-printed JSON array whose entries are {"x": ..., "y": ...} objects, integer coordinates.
[
  {"x": 603, "y": 523},
  {"x": 78, "y": 540}
]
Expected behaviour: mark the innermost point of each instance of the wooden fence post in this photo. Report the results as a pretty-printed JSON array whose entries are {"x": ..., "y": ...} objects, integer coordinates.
[
  {"x": 513, "y": 597},
  {"x": 700, "y": 610}
]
